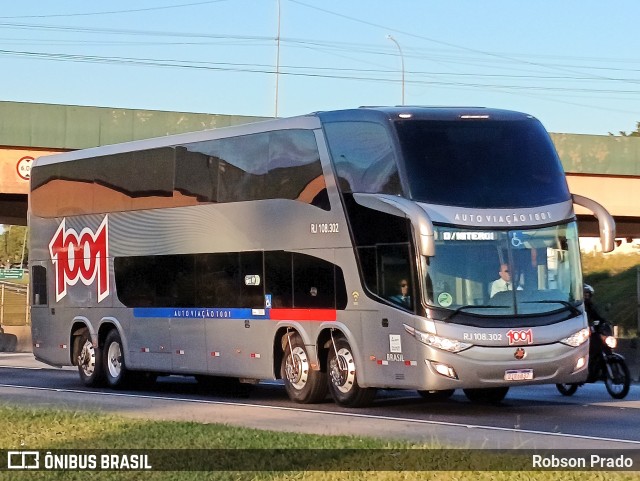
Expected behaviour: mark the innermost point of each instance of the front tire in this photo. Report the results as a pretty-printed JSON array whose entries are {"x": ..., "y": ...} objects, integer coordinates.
[
  {"x": 115, "y": 369},
  {"x": 567, "y": 389},
  {"x": 618, "y": 378},
  {"x": 89, "y": 362},
  {"x": 303, "y": 384},
  {"x": 343, "y": 380},
  {"x": 493, "y": 395}
]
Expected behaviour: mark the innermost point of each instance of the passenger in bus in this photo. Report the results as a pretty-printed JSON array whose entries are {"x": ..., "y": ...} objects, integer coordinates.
[
  {"x": 403, "y": 297},
  {"x": 504, "y": 282}
]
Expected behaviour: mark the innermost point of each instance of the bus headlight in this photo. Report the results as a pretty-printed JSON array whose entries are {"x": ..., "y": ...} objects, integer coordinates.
[
  {"x": 439, "y": 342},
  {"x": 576, "y": 339}
]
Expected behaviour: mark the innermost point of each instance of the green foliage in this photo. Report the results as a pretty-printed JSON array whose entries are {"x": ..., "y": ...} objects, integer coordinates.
[
  {"x": 614, "y": 278},
  {"x": 13, "y": 244}
]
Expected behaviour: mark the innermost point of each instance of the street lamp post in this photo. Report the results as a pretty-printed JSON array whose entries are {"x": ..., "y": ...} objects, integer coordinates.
[
  {"x": 277, "y": 59},
  {"x": 402, "y": 62}
]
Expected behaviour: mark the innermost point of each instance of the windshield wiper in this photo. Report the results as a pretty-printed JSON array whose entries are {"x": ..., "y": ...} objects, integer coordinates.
[
  {"x": 566, "y": 304},
  {"x": 472, "y": 306}
]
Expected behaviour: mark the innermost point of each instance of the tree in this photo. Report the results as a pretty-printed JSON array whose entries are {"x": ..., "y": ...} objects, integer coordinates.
[
  {"x": 13, "y": 248},
  {"x": 635, "y": 133}
]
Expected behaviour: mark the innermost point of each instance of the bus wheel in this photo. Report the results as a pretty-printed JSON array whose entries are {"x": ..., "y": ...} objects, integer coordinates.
[
  {"x": 492, "y": 395},
  {"x": 114, "y": 365},
  {"x": 343, "y": 381},
  {"x": 303, "y": 384},
  {"x": 89, "y": 362},
  {"x": 567, "y": 389}
]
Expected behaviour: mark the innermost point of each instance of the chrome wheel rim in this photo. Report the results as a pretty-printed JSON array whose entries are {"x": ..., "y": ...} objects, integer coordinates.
[
  {"x": 297, "y": 368},
  {"x": 87, "y": 359},
  {"x": 114, "y": 360},
  {"x": 343, "y": 372}
]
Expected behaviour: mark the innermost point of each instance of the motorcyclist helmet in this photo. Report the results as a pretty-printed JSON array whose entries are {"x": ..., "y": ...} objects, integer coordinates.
[{"x": 588, "y": 292}]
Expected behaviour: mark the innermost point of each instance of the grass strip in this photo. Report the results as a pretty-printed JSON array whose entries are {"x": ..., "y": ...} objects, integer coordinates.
[{"x": 27, "y": 428}]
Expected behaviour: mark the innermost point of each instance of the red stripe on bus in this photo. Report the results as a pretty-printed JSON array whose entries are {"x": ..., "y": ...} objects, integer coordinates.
[{"x": 302, "y": 314}]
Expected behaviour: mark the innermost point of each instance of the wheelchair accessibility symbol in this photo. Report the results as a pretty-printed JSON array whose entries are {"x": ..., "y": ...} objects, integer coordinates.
[{"x": 516, "y": 241}]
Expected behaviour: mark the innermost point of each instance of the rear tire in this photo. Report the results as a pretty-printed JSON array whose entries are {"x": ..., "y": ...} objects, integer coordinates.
[
  {"x": 115, "y": 369},
  {"x": 303, "y": 384},
  {"x": 567, "y": 389},
  {"x": 492, "y": 395},
  {"x": 618, "y": 378},
  {"x": 89, "y": 361},
  {"x": 343, "y": 379}
]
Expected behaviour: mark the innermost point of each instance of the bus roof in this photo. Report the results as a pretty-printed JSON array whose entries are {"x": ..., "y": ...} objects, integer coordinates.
[
  {"x": 308, "y": 121},
  {"x": 423, "y": 113}
]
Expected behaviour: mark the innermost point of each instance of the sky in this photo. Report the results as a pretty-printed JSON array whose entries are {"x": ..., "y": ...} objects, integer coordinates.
[{"x": 574, "y": 64}]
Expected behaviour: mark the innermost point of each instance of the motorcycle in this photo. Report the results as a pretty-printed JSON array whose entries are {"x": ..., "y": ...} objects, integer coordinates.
[{"x": 604, "y": 364}]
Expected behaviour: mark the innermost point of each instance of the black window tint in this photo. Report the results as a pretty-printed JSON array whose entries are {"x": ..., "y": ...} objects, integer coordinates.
[
  {"x": 482, "y": 164},
  {"x": 231, "y": 280},
  {"x": 341, "y": 289},
  {"x": 367, "y": 257},
  {"x": 135, "y": 281},
  {"x": 44, "y": 173},
  {"x": 155, "y": 281},
  {"x": 278, "y": 271},
  {"x": 272, "y": 165},
  {"x": 383, "y": 245},
  {"x": 39, "y": 286},
  {"x": 294, "y": 170},
  {"x": 313, "y": 281},
  {"x": 242, "y": 168},
  {"x": 363, "y": 157},
  {"x": 174, "y": 278},
  {"x": 219, "y": 281},
  {"x": 137, "y": 174},
  {"x": 196, "y": 175},
  {"x": 385, "y": 268},
  {"x": 252, "y": 280}
]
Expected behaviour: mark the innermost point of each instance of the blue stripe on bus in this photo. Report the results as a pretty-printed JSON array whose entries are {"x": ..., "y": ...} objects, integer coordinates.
[{"x": 201, "y": 312}]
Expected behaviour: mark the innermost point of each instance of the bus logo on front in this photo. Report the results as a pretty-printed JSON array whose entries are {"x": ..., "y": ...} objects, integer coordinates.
[{"x": 81, "y": 257}]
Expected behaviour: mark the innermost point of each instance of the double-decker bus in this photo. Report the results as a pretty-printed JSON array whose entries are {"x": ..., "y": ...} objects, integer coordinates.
[{"x": 430, "y": 249}]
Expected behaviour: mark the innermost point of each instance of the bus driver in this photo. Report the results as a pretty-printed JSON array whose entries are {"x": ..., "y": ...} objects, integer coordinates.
[{"x": 504, "y": 282}]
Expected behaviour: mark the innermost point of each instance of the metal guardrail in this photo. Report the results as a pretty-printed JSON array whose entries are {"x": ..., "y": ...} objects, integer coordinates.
[{"x": 14, "y": 304}]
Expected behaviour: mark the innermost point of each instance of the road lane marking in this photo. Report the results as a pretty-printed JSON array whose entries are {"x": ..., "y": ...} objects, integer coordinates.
[{"x": 341, "y": 414}]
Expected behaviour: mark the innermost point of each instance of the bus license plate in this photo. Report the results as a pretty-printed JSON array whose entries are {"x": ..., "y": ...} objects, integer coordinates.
[{"x": 518, "y": 375}]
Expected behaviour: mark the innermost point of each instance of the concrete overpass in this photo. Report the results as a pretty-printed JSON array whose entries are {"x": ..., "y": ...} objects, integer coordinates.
[{"x": 604, "y": 168}]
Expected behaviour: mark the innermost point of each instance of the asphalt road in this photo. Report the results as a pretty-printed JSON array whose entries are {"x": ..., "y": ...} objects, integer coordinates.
[{"x": 533, "y": 417}]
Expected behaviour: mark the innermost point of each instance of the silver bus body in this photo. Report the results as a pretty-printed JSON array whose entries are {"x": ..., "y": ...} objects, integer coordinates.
[{"x": 272, "y": 251}]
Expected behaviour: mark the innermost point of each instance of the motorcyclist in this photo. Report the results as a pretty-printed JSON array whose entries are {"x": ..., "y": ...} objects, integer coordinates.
[
  {"x": 594, "y": 318},
  {"x": 589, "y": 307}
]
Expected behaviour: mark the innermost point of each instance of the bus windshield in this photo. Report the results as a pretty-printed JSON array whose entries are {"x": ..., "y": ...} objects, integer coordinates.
[
  {"x": 481, "y": 163},
  {"x": 504, "y": 273}
]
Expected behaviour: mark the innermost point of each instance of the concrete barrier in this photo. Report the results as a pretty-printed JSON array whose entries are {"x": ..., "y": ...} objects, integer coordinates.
[{"x": 16, "y": 339}]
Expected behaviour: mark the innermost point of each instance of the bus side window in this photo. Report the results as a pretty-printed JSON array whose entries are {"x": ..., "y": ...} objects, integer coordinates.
[
  {"x": 363, "y": 156},
  {"x": 39, "y": 286},
  {"x": 313, "y": 281},
  {"x": 279, "y": 278}
]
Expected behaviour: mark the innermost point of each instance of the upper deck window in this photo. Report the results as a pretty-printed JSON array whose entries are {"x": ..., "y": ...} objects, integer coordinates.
[
  {"x": 481, "y": 163},
  {"x": 271, "y": 165},
  {"x": 363, "y": 156}
]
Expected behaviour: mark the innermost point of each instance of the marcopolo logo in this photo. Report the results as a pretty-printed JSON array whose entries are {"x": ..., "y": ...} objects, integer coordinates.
[{"x": 81, "y": 257}]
